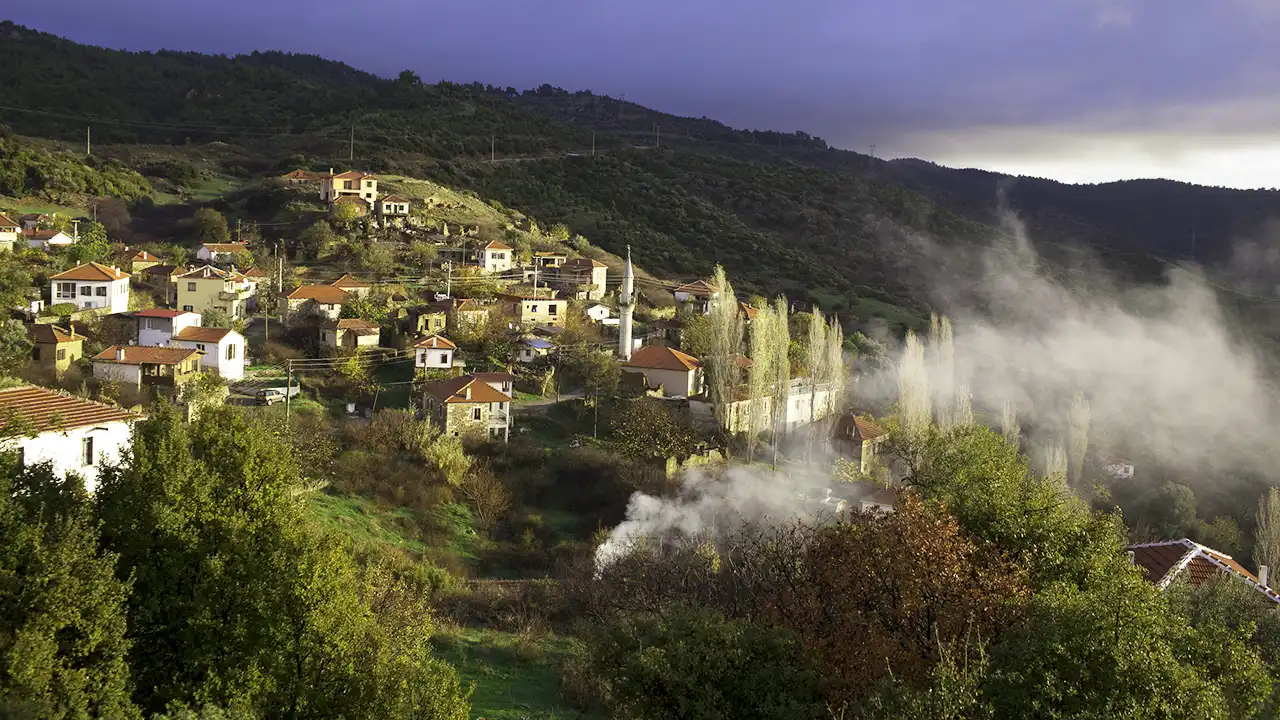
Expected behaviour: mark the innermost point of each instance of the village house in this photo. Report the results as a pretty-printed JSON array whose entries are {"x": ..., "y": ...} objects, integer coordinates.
[
  {"x": 598, "y": 313},
  {"x": 393, "y": 206},
  {"x": 351, "y": 183},
  {"x": 350, "y": 333},
  {"x": 222, "y": 349},
  {"x": 355, "y": 287},
  {"x": 588, "y": 278},
  {"x": 677, "y": 373},
  {"x": 697, "y": 294},
  {"x": 302, "y": 177},
  {"x": 9, "y": 232},
  {"x": 534, "y": 348},
  {"x": 1119, "y": 468},
  {"x": 209, "y": 288},
  {"x": 527, "y": 309},
  {"x": 435, "y": 352},
  {"x": 1170, "y": 560},
  {"x": 748, "y": 312},
  {"x": 142, "y": 260},
  {"x": 465, "y": 315},
  {"x": 322, "y": 301},
  {"x": 77, "y": 436},
  {"x": 46, "y": 239},
  {"x": 858, "y": 438},
  {"x": 91, "y": 286},
  {"x": 546, "y": 259},
  {"x": 35, "y": 221},
  {"x": 219, "y": 253},
  {"x": 503, "y": 382},
  {"x": 165, "y": 279},
  {"x": 467, "y": 404},
  {"x": 136, "y": 366},
  {"x": 495, "y": 257},
  {"x": 157, "y": 326},
  {"x": 54, "y": 348}
]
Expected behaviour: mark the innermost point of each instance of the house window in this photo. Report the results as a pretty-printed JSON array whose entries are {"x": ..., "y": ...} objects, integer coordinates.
[
  {"x": 346, "y": 185},
  {"x": 231, "y": 351},
  {"x": 67, "y": 289},
  {"x": 101, "y": 291},
  {"x": 444, "y": 358},
  {"x": 533, "y": 308},
  {"x": 200, "y": 347},
  {"x": 475, "y": 413},
  {"x": 551, "y": 309},
  {"x": 188, "y": 308},
  {"x": 86, "y": 451},
  {"x": 86, "y": 290},
  {"x": 62, "y": 354},
  {"x": 124, "y": 289},
  {"x": 35, "y": 352},
  {"x": 191, "y": 287}
]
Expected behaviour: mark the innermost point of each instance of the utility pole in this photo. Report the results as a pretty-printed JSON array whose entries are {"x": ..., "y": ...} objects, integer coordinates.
[
  {"x": 288, "y": 391},
  {"x": 448, "y": 279},
  {"x": 88, "y": 148},
  {"x": 239, "y": 230},
  {"x": 351, "y": 154},
  {"x": 657, "y": 135},
  {"x": 75, "y": 229},
  {"x": 593, "y": 144},
  {"x": 493, "y": 148}
]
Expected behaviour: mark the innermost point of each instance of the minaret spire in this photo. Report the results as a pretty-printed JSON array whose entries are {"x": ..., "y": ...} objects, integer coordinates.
[{"x": 626, "y": 303}]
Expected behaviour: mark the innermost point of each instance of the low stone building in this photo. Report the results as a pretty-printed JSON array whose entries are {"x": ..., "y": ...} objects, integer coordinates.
[{"x": 467, "y": 404}]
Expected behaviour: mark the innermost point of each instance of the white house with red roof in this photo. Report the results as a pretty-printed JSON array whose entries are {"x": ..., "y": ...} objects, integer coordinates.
[
  {"x": 91, "y": 286},
  {"x": 1186, "y": 561},
  {"x": 393, "y": 206},
  {"x": 496, "y": 257},
  {"x": 9, "y": 232},
  {"x": 75, "y": 435},
  {"x": 351, "y": 183},
  {"x": 678, "y": 374},
  {"x": 434, "y": 352},
  {"x": 219, "y": 252},
  {"x": 157, "y": 326},
  {"x": 45, "y": 239},
  {"x": 223, "y": 348}
]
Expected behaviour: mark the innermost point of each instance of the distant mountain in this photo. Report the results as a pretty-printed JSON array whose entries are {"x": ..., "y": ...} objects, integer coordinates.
[{"x": 783, "y": 212}]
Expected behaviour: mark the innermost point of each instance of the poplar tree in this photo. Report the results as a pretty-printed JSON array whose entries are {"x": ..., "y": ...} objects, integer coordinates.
[
  {"x": 725, "y": 321},
  {"x": 914, "y": 401},
  {"x": 834, "y": 362},
  {"x": 1078, "y": 437},
  {"x": 1266, "y": 547},
  {"x": 762, "y": 337},
  {"x": 781, "y": 368},
  {"x": 817, "y": 358},
  {"x": 1009, "y": 425}
]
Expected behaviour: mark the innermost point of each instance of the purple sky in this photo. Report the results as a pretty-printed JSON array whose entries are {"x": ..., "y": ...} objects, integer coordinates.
[{"x": 1079, "y": 90}]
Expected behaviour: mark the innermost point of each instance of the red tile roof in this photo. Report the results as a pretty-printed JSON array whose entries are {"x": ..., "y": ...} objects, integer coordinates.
[
  {"x": 454, "y": 390},
  {"x": 353, "y": 175},
  {"x": 7, "y": 224},
  {"x": 146, "y": 354},
  {"x": 700, "y": 288},
  {"x": 749, "y": 311},
  {"x": 203, "y": 334},
  {"x": 323, "y": 294},
  {"x": 208, "y": 272},
  {"x": 225, "y": 247},
  {"x": 45, "y": 334},
  {"x": 91, "y": 271},
  {"x": 583, "y": 263},
  {"x": 867, "y": 429},
  {"x": 256, "y": 273},
  {"x": 1169, "y": 560},
  {"x": 40, "y": 410},
  {"x": 497, "y": 245},
  {"x": 347, "y": 281},
  {"x": 658, "y": 357},
  {"x": 394, "y": 199},
  {"x": 492, "y": 377},
  {"x": 144, "y": 256},
  {"x": 435, "y": 342},
  {"x": 350, "y": 324}
]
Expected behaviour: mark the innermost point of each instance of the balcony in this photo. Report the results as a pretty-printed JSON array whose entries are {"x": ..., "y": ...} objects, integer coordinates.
[
  {"x": 498, "y": 419},
  {"x": 235, "y": 296}
]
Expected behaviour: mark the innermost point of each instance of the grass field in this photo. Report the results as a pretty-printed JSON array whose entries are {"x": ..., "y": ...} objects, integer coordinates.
[
  {"x": 516, "y": 676},
  {"x": 365, "y": 520}
]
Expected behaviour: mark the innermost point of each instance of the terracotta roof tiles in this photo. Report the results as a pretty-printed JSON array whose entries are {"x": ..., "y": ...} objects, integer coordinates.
[
  {"x": 454, "y": 390},
  {"x": 203, "y": 334},
  {"x": 42, "y": 410},
  {"x": 146, "y": 355},
  {"x": 90, "y": 272}
]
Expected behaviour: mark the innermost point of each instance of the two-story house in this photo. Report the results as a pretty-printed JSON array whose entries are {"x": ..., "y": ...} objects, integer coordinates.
[
  {"x": 534, "y": 348},
  {"x": 529, "y": 308},
  {"x": 136, "y": 366},
  {"x": 316, "y": 301},
  {"x": 222, "y": 253},
  {"x": 465, "y": 315},
  {"x": 467, "y": 404},
  {"x": 434, "y": 352},
  {"x": 210, "y": 288},
  {"x": 75, "y": 435},
  {"x": 142, "y": 260},
  {"x": 393, "y": 207},
  {"x": 54, "y": 348},
  {"x": 698, "y": 294},
  {"x": 587, "y": 278},
  {"x": 91, "y": 286},
  {"x": 46, "y": 239},
  {"x": 9, "y": 232},
  {"x": 351, "y": 183},
  {"x": 545, "y": 259},
  {"x": 222, "y": 349},
  {"x": 495, "y": 257},
  {"x": 157, "y": 326}
]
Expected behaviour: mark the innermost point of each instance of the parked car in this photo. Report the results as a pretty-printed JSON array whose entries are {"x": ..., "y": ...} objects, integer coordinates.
[{"x": 273, "y": 395}]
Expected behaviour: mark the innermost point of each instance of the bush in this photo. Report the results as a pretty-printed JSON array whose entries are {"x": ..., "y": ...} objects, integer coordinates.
[{"x": 58, "y": 310}]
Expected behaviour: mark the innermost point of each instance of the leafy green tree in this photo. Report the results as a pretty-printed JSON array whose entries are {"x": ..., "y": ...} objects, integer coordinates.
[
  {"x": 237, "y": 604},
  {"x": 63, "y": 649},
  {"x": 211, "y": 226},
  {"x": 645, "y": 429},
  {"x": 369, "y": 307},
  {"x": 317, "y": 239},
  {"x": 1173, "y": 510},
  {"x": 344, "y": 215},
  {"x": 692, "y": 663},
  {"x": 92, "y": 245},
  {"x": 14, "y": 281},
  {"x": 15, "y": 347},
  {"x": 420, "y": 255}
]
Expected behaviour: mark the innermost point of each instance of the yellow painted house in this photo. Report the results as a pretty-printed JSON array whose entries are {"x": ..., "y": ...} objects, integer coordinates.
[
  {"x": 541, "y": 308},
  {"x": 55, "y": 348},
  {"x": 210, "y": 288}
]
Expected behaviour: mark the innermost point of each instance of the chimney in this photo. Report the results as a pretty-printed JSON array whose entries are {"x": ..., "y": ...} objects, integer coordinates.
[
  {"x": 468, "y": 392},
  {"x": 1131, "y": 557},
  {"x": 1262, "y": 575},
  {"x": 120, "y": 353}
]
